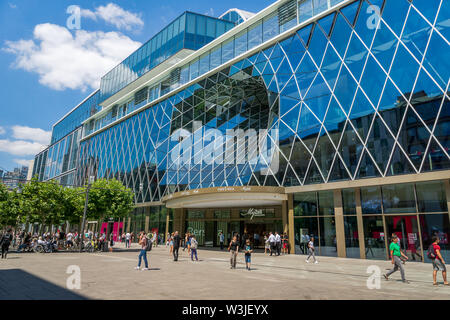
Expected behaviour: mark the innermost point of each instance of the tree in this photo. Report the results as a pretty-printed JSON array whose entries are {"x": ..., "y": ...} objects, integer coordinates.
[
  {"x": 109, "y": 198},
  {"x": 72, "y": 204},
  {"x": 10, "y": 207},
  {"x": 43, "y": 202}
]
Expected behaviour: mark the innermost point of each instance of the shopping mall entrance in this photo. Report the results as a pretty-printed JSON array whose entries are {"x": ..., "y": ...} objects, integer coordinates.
[{"x": 250, "y": 223}]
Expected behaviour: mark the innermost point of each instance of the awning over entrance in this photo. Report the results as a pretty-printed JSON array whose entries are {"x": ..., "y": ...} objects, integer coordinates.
[{"x": 226, "y": 197}]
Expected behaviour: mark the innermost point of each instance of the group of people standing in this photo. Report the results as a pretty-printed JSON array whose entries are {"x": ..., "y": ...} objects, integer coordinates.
[{"x": 276, "y": 244}]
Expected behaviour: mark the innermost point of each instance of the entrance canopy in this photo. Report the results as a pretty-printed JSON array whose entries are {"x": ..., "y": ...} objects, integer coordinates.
[{"x": 226, "y": 197}]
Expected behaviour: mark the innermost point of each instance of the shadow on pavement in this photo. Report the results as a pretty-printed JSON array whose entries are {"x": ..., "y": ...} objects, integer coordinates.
[{"x": 17, "y": 284}]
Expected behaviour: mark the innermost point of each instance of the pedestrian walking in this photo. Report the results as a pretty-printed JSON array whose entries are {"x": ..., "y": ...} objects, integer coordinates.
[
  {"x": 221, "y": 240},
  {"x": 127, "y": 240},
  {"x": 434, "y": 253},
  {"x": 311, "y": 251},
  {"x": 5, "y": 242},
  {"x": 143, "y": 241},
  {"x": 285, "y": 241},
  {"x": 278, "y": 243},
  {"x": 266, "y": 244},
  {"x": 194, "y": 246},
  {"x": 396, "y": 254},
  {"x": 273, "y": 243},
  {"x": 176, "y": 245},
  {"x": 233, "y": 248},
  {"x": 248, "y": 254}
]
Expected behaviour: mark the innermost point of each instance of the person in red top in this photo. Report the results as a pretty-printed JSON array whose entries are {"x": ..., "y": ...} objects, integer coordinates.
[{"x": 438, "y": 262}]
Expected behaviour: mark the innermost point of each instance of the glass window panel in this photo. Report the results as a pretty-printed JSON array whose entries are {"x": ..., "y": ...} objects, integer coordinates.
[
  {"x": 304, "y": 229},
  {"x": 328, "y": 246},
  {"x": 371, "y": 200},
  {"x": 435, "y": 225},
  {"x": 431, "y": 196},
  {"x": 201, "y": 25},
  {"x": 326, "y": 203},
  {"x": 193, "y": 70},
  {"x": 211, "y": 28},
  {"x": 216, "y": 57},
  {"x": 255, "y": 35},
  {"x": 204, "y": 64},
  {"x": 305, "y": 10},
  {"x": 351, "y": 237},
  {"x": 348, "y": 200},
  {"x": 399, "y": 198},
  {"x": 227, "y": 50},
  {"x": 270, "y": 27},
  {"x": 305, "y": 204},
  {"x": 405, "y": 227},
  {"x": 374, "y": 238},
  {"x": 240, "y": 43},
  {"x": 190, "y": 25}
]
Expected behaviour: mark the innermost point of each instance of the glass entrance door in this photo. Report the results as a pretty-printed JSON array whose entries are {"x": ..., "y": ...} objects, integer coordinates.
[{"x": 405, "y": 227}]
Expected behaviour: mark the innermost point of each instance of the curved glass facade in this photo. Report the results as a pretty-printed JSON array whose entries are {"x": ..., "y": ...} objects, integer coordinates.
[{"x": 353, "y": 95}]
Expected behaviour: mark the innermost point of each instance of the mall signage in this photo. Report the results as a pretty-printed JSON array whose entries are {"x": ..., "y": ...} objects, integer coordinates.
[{"x": 253, "y": 213}]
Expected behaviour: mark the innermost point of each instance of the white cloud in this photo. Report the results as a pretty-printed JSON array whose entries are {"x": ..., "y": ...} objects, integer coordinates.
[
  {"x": 22, "y": 162},
  {"x": 66, "y": 61},
  {"x": 12, "y": 5},
  {"x": 2, "y": 131},
  {"x": 32, "y": 134},
  {"x": 116, "y": 16},
  {"x": 20, "y": 147}
]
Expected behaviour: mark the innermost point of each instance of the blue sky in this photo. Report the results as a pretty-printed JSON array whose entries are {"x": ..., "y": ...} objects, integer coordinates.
[{"x": 48, "y": 69}]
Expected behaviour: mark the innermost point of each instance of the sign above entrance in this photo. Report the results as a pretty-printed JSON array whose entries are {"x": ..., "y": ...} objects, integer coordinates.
[{"x": 253, "y": 213}]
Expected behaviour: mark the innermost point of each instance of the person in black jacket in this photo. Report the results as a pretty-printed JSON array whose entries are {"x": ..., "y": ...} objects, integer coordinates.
[
  {"x": 176, "y": 245},
  {"x": 5, "y": 242}
]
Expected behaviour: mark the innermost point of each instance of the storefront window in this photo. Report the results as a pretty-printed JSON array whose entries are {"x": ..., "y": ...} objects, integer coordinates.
[
  {"x": 399, "y": 198},
  {"x": 197, "y": 228},
  {"x": 431, "y": 196},
  {"x": 348, "y": 201},
  {"x": 326, "y": 203},
  {"x": 405, "y": 227},
  {"x": 435, "y": 225},
  {"x": 305, "y": 204},
  {"x": 371, "y": 200},
  {"x": 351, "y": 237},
  {"x": 328, "y": 245},
  {"x": 304, "y": 229},
  {"x": 374, "y": 238}
]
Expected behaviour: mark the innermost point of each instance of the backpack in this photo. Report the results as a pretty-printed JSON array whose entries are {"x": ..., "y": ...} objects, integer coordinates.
[
  {"x": 431, "y": 253},
  {"x": 149, "y": 245}
]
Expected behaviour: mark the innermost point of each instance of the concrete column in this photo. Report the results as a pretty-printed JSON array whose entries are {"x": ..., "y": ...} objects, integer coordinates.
[
  {"x": 284, "y": 216},
  {"x": 339, "y": 219},
  {"x": 359, "y": 219},
  {"x": 291, "y": 232},
  {"x": 147, "y": 222},
  {"x": 167, "y": 224}
]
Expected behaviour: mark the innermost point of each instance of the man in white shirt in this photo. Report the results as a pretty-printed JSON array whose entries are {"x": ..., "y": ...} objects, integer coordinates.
[
  {"x": 272, "y": 241},
  {"x": 278, "y": 243},
  {"x": 127, "y": 240},
  {"x": 69, "y": 241}
]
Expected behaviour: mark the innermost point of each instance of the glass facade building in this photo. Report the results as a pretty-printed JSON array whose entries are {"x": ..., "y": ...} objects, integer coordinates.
[{"x": 313, "y": 117}]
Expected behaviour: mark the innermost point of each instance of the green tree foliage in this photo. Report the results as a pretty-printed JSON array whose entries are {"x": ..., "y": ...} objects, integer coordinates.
[
  {"x": 48, "y": 203},
  {"x": 109, "y": 199},
  {"x": 10, "y": 207},
  {"x": 43, "y": 202}
]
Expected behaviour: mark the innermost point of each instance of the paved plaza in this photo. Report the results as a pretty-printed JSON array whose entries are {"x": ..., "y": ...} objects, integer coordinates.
[{"x": 111, "y": 275}]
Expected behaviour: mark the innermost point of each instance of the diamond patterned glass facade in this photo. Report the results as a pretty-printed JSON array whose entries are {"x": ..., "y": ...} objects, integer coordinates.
[{"x": 352, "y": 95}]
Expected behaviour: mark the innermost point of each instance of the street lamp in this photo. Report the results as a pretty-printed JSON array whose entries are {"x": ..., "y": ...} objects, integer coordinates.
[{"x": 91, "y": 181}]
